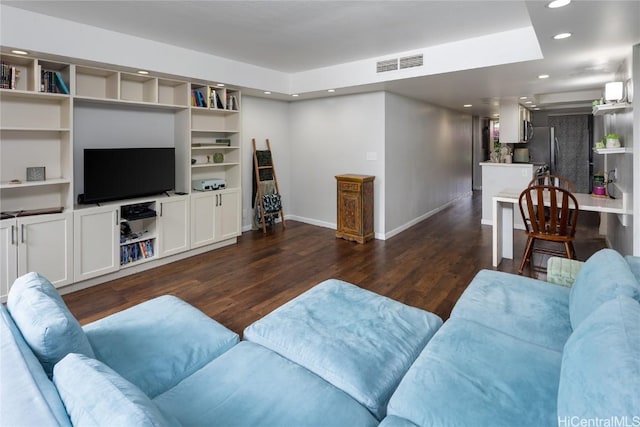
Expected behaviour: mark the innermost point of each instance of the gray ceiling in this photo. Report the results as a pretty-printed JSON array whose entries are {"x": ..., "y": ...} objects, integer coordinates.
[{"x": 296, "y": 36}]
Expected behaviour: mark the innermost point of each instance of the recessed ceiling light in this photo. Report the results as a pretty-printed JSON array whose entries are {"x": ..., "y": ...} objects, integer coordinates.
[
  {"x": 295, "y": 95},
  {"x": 543, "y": 76},
  {"x": 537, "y": 108},
  {"x": 534, "y": 105},
  {"x": 562, "y": 36},
  {"x": 496, "y": 115},
  {"x": 20, "y": 52},
  {"x": 143, "y": 72},
  {"x": 220, "y": 85},
  {"x": 467, "y": 105},
  {"x": 523, "y": 97},
  {"x": 558, "y": 3},
  {"x": 331, "y": 90},
  {"x": 528, "y": 102},
  {"x": 266, "y": 92}
]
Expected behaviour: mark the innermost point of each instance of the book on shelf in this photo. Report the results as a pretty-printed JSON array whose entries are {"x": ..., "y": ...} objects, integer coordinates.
[
  {"x": 197, "y": 99},
  {"x": 232, "y": 102},
  {"x": 60, "y": 84},
  {"x": 8, "y": 76}
]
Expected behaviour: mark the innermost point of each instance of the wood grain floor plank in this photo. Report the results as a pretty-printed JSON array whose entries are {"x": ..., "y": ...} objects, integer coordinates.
[{"x": 427, "y": 266}]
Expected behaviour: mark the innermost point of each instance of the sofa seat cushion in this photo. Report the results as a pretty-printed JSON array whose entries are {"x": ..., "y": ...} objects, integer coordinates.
[
  {"x": 44, "y": 320},
  {"x": 27, "y": 396},
  {"x": 472, "y": 375},
  {"x": 600, "y": 377},
  {"x": 359, "y": 341},
  {"x": 95, "y": 395},
  {"x": 525, "y": 308},
  {"x": 604, "y": 276},
  {"x": 250, "y": 385},
  {"x": 393, "y": 421},
  {"x": 157, "y": 343}
]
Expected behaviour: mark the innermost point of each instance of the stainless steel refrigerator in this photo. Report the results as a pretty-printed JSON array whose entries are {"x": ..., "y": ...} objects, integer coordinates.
[{"x": 565, "y": 147}]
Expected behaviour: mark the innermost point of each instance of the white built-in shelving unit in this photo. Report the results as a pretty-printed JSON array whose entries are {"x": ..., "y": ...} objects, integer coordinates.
[{"x": 36, "y": 130}]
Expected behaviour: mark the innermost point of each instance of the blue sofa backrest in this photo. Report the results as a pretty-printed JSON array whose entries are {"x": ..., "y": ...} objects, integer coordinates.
[{"x": 28, "y": 397}]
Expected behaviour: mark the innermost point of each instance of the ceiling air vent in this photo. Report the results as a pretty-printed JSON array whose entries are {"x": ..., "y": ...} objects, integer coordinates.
[
  {"x": 411, "y": 61},
  {"x": 387, "y": 65}
]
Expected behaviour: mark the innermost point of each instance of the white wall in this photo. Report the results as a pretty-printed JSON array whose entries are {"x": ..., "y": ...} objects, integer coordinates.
[
  {"x": 428, "y": 156},
  {"x": 265, "y": 118},
  {"x": 619, "y": 237},
  {"x": 332, "y": 136}
]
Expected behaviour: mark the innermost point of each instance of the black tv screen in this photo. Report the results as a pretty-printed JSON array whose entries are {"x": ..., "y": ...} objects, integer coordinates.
[{"x": 123, "y": 173}]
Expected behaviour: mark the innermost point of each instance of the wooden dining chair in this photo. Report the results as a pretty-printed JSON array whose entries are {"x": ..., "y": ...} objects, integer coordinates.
[
  {"x": 550, "y": 214},
  {"x": 553, "y": 180}
]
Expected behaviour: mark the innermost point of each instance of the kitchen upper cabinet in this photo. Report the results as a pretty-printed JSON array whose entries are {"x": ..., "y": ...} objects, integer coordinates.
[{"x": 513, "y": 122}]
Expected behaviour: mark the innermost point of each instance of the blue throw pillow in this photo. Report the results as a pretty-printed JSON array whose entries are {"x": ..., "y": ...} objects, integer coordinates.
[
  {"x": 44, "y": 320},
  {"x": 603, "y": 276},
  {"x": 95, "y": 395},
  {"x": 600, "y": 375}
]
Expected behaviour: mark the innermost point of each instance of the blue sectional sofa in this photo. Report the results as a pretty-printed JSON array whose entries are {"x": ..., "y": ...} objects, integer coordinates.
[
  {"x": 515, "y": 351},
  {"x": 165, "y": 363}
]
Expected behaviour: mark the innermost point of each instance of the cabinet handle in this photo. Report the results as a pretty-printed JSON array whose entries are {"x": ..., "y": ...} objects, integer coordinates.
[
  {"x": 221, "y": 200},
  {"x": 13, "y": 235},
  {"x": 22, "y": 233},
  {"x": 161, "y": 208},
  {"x": 217, "y": 200},
  {"x": 115, "y": 217}
]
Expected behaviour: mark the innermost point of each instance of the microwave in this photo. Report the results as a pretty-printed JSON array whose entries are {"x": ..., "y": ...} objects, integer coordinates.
[{"x": 526, "y": 132}]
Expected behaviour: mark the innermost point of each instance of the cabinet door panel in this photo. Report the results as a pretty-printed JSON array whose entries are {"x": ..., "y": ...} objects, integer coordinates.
[
  {"x": 203, "y": 221},
  {"x": 173, "y": 225},
  {"x": 8, "y": 255},
  {"x": 229, "y": 215},
  {"x": 46, "y": 247},
  {"x": 96, "y": 242}
]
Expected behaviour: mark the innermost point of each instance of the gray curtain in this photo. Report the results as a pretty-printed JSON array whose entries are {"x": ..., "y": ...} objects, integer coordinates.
[{"x": 572, "y": 134}]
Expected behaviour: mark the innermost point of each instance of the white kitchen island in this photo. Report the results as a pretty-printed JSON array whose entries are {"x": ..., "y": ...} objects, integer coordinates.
[{"x": 497, "y": 177}]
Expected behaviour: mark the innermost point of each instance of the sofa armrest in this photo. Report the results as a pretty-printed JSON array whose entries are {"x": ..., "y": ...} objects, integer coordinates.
[
  {"x": 563, "y": 271},
  {"x": 158, "y": 343}
]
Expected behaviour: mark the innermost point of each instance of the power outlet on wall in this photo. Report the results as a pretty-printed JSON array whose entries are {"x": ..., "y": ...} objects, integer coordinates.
[{"x": 613, "y": 175}]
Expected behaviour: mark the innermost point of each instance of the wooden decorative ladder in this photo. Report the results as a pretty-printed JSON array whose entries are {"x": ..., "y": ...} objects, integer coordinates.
[{"x": 269, "y": 172}]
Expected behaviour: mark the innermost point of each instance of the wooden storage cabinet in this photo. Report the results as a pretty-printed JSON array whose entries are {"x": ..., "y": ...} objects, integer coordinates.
[
  {"x": 96, "y": 242},
  {"x": 355, "y": 207},
  {"x": 215, "y": 216},
  {"x": 41, "y": 243}
]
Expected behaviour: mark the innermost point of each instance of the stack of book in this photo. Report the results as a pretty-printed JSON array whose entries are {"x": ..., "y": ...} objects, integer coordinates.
[
  {"x": 8, "y": 77},
  {"x": 52, "y": 82}
]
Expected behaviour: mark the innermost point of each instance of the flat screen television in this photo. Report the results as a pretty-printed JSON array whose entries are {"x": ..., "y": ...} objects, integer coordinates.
[{"x": 124, "y": 173}]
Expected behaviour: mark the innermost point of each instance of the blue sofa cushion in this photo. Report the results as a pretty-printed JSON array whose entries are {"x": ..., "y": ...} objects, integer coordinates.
[
  {"x": 157, "y": 343},
  {"x": 525, "y": 308},
  {"x": 359, "y": 341},
  {"x": 250, "y": 385},
  {"x": 472, "y": 375},
  {"x": 600, "y": 375},
  {"x": 95, "y": 395},
  {"x": 604, "y": 276},
  {"x": 27, "y": 396},
  {"x": 44, "y": 320}
]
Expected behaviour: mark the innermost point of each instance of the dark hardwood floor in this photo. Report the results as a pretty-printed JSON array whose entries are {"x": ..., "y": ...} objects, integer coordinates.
[{"x": 427, "y": 266}]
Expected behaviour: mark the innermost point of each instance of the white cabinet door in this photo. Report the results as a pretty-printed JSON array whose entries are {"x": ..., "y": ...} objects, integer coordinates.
[
  {"x": 46, "y": 247},
  {"x": 173, "y": 225},
  {"x": 96, "y": 242},
  {"x": 228, "y": 215},
  {"x": 203, "y": 218},
  {"x": 8, "y": 255}
]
